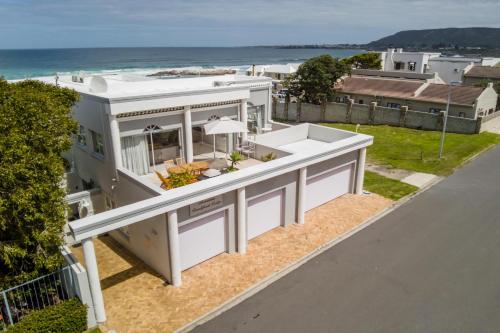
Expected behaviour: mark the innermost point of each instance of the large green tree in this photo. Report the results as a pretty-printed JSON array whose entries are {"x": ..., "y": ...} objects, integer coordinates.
[
  {"x": 315, "y": 79},
  {"x": 35, "y": 129},
  {"x": 364, "y": 61}
]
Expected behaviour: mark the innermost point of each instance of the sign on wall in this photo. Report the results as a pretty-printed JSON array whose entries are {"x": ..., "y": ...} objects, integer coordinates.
[{"x": 205, "y": 205}]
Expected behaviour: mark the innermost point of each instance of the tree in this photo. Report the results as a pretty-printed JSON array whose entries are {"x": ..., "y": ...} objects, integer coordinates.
[
  {"x": 36, "y": 128},
  {"x": 315, "y": 79},
  {"x": 364, "y": 61}
]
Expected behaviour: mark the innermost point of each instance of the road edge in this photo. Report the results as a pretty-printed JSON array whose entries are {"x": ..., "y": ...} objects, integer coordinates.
[{"x": 254, "y": 289}]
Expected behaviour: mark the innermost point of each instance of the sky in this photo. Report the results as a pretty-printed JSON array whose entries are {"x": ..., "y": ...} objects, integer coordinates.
[{"x": 114, "y": 23}]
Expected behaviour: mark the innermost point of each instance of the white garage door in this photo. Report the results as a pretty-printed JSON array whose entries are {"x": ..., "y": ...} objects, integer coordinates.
[
  {"x": 202, "y": 239},
  {"x": 264, "y": 213},
  {"x": 328, "y": 186}
]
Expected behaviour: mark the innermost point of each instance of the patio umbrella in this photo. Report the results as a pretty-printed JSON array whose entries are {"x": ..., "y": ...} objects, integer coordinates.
[{"x": 224, "y": 125}]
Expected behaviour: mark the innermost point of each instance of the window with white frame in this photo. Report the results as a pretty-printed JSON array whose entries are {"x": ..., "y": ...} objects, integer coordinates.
[
  {"x": 412, "y": 66},
  {"x": 97, "y": 143},
  {"x": 81, "y": 136}
]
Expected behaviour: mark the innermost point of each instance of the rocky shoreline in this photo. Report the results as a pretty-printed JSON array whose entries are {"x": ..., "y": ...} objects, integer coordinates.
[{"x": 190, "y": 72}]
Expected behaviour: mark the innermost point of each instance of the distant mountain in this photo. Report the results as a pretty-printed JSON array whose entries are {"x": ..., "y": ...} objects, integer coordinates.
[{"x": 458, "y": 38}]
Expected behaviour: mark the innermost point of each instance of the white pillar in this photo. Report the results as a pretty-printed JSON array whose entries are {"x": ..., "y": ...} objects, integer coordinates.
[
  {"x": 242, "y": 220},
  {"x": 173, "y": 248},
  {"x": 94, "y": 282},
  {"x": 188, "y": 133},
  {"x": 244, "y": 117},
  {"x": 301, "y": 198},
  {"x": 115, "y": 138},
  {"x": 360, "y": 172}
]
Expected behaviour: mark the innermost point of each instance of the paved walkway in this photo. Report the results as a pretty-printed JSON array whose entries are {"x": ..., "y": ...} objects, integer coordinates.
[
  {"x": 492, "y": 125},
  {"x": 431, "y": 265},
  {"x": 418, "y": 179},
  {"x": 138, "y": 300}
]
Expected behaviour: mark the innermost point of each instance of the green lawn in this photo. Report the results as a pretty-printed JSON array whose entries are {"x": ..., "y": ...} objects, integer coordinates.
[
  {"x": 417, "y": 150},
  {"x": 386, "y": 187}
]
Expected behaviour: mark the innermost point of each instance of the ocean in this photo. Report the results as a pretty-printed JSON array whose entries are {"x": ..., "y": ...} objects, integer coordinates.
[{"x": 19, "y": 64}]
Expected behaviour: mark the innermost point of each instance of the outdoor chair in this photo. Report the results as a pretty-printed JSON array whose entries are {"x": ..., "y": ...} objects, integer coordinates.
[
  {"x": 248, "y": 149},
  {"x": 164, "y": 181},
  {"x": 169, "y": 164},
  {"x": 179, "y": 161}
]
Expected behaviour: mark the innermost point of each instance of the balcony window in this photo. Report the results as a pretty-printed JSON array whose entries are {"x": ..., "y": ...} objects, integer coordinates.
[{"x": 97, "y": 143}]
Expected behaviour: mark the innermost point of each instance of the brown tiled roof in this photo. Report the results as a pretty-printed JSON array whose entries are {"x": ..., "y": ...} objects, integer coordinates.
[
  {"x": 406, "y": 89},
  {"x": 438, "y": 93},
  {"x": 486, "y": 72},
  {"x": 379, "y": 87}
]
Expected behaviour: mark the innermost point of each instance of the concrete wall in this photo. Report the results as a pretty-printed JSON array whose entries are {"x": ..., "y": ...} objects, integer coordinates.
[
  {"x": 79, "y": 284},
  {"x": 449, "y": 71},
  {"x": 90, "y": 166},
  {"x": 378, "y": 115},
  {"x": 414, "y": 105},
  {"x": 147, "y": 239}
]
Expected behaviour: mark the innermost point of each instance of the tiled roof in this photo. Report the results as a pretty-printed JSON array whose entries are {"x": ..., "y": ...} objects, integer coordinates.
[
  {"x": 379, "y": 87},
  {"x": 408, "y": 89},
  {"x": 486, "y": 72},
  {"x": 438, "y": 93}
]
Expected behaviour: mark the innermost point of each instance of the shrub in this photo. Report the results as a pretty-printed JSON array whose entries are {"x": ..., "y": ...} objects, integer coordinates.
[
  {"x": 181, "y": 179},
  {"x": 66, "y": 317}
]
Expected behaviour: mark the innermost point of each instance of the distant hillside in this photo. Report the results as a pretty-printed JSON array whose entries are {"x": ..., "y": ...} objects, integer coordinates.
[{"x": 459, "y": 38}]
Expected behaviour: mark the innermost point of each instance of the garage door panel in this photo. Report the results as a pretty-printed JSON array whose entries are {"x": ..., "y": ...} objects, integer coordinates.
[
  {"x": 264, "y": 213},
  {"x": 202, "y": 239},
  {"x": 328, "y": 186}
]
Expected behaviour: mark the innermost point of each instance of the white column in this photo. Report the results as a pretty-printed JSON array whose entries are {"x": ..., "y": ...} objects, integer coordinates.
[
  {"x": 242, "y": 220},
  {"x": 115, "y": 138},
  {"x": 94, "y": 282},
  {"x": 301, "y": 198},
  {"x": 244, "y": 117},
  {"x": 173, "y": 248},
  {"x": 188, "y": 133},
  {"x": 360, "y": 172}
]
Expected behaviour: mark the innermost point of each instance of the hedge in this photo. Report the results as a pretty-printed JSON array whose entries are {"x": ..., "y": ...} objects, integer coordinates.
[{"x": 66, "y": 317}]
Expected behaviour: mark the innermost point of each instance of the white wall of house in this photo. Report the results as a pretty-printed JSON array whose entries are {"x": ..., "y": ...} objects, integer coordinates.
[
  {"x": 487, "y": 101},
  {"x": 392, "y": 56},
  {"x": 449, "y": 70}
]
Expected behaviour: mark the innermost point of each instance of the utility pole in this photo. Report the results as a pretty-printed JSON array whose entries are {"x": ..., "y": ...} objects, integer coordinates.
[{"x": 445, "y": 117}]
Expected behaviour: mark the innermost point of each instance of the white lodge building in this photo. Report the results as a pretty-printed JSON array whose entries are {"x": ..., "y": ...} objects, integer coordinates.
[{"x": 130, "y": 126}]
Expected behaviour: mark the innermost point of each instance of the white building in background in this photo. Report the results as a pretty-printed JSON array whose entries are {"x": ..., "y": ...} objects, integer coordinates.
[
  {"x": 130, "y": 126},
  {"x": 449, "y": 69},
  {"x": 277, "y": 72}
]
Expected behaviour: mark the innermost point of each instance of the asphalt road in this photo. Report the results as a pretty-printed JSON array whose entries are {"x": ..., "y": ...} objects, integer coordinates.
[{"x": 433, "y": 265}]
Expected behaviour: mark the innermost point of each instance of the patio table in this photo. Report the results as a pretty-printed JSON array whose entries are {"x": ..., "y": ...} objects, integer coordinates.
[{"x": 194, "y": 166}]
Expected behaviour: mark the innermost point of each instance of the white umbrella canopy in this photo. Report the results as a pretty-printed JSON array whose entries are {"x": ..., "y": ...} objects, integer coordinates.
[{"x": 224, "y": 125}]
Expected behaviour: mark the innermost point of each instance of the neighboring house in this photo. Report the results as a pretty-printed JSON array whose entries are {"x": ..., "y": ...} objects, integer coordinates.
[
  {"x": 424, "y": 77},
  {"x": 398, "y": 60},
  {"x": 467, "y": 102},
  {"x": 449, "y": 69},
  {"x": 276, "y": 72},
  {"x": 481, "y": 74},
  {"x": 173, "y": 230}
]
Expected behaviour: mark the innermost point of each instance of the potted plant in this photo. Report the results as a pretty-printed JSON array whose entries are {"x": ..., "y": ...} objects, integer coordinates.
[
  {"x": 268, "y": 157},
  {"x": 235, "y": 157}
]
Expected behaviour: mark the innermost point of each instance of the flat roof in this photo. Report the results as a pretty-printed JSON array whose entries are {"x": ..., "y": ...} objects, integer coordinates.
[
  {"x": 305, "y": 146},
  {"x": 126, "y": 85}
]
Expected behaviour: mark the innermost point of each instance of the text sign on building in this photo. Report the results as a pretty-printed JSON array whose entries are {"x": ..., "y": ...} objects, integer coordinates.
[{"x": 205, "y": 205}]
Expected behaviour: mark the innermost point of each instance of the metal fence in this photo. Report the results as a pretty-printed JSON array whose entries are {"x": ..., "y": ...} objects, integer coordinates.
[{"x": 50, "y": 289}]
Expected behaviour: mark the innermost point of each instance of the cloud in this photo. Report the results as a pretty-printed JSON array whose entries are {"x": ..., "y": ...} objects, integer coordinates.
[{"x": 232, "y": 22}]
